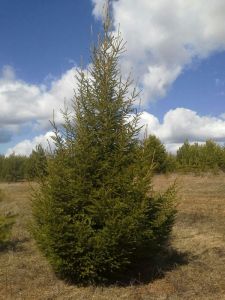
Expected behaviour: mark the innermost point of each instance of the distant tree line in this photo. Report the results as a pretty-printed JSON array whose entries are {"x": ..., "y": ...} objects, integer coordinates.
[
  {"x": 201, "y": 157},
  {"x": 195, "y": 158},
  {"x": 189, "y": 158},
  {"x": 6, "y": 222},
  {"x": 18, "y": 168}
]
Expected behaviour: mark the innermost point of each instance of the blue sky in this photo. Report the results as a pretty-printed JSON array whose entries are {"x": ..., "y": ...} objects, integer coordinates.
[
  {"x": 177, "y": 58},
  {"x": 43, "y": 37},
  {"x": 200, "y": 88}
]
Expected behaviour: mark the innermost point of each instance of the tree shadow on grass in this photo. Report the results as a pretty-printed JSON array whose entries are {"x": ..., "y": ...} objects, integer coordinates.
[
  {"x": 147, "y": 271},
  {"x": 143, "y": 272},
  {"x": 15, "y": 245}
]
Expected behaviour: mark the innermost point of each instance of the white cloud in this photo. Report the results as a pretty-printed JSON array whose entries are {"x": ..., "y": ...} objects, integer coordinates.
[
  {"x": 99, "y": 8},
  {"x": 173, "y": 147},
  {"x": 23, "y": 104},
  {"x": 181, "y": 124},
  {"x": 177, "y": 126},
  {"x": 8, "y": 72},
  {"x": 25, "y": 147},
  {"x": 222, "y": 116},
  {"x": 165, "y": 36}
]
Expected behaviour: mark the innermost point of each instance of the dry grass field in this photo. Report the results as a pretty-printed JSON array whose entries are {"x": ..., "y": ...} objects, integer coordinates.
[{"x": 194, "y": 268}]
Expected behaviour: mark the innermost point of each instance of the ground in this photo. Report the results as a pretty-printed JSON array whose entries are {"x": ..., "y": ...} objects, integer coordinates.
[{"x": 194, "y": 269}]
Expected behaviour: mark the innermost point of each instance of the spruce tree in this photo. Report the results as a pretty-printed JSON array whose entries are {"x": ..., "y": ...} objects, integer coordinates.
[
  {"x": 6, "y": 223},
  {"x": 95, "y": 212},
  {"x": 36, "y": 164},
  {"x": 155, "y": 154}
]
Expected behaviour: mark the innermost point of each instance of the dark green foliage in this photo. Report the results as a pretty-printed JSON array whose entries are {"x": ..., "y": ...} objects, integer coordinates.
[
  {"x": 36, "y": 164},
  {"x": 155, "y": 155},
  {"x": 95, "y": 212},
  {"x": 6, "y": 223},
  {"x": 213, "y": 156},
  {"x": 16, "y": 167},
  {"x": 12, "y": 168},
  {"x": 201, "y": 158},
  {"x": 171, "y": 163}
]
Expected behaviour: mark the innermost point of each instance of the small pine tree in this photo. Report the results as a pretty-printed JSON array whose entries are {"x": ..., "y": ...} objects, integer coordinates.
[
  {"x": 185, "y": 157},
  {"x": 201, "y": 158},
  {"x": 6, "y": 223},
  {"x": 13, "y": 168},
  {"x": 36, "y": 164},
  {"x": 95, "y": 212},
  {"x": 155, "y": 155},
  {"x": 213, "y": 156}
]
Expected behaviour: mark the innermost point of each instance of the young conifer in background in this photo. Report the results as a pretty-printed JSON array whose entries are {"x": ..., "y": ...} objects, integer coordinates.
[
  {"x": 36, "y": 164},
  {"x": 155, "y": 154},
  {"x": 95, "y": 213},
  {"x": 6, "y": 223}
]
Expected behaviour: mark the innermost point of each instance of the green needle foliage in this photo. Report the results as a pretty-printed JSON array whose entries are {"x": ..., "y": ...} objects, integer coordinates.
[
  {"x": 6, "y": 223},
  {"x": 95, "y": 212},
  {"x": 155, "y": 154},
  {"x": 201, "y": 158},
  {"x": 36, "y": 164}
]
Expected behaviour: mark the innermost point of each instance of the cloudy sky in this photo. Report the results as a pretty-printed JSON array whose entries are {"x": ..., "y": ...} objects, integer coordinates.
[{"x": 175, "y": 51}]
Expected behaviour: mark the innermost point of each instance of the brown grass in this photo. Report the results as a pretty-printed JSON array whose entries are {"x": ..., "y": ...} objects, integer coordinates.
[{"x": 195, "y": 270}]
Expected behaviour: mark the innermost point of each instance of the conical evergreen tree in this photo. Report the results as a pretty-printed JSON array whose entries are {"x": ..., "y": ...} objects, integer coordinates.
[
  {"x": 6, "y": 223},
  {"x": 93, "y": 215},
  {"x": 36, "y": 164},
  {"x": 155, "y": 154}
]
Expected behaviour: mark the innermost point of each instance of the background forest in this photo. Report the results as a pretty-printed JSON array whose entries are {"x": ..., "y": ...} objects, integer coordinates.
[{"x": 196, "y": 158}]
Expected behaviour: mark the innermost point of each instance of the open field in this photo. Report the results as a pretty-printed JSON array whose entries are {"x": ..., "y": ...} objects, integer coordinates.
[{"x": 195, "y": 268}]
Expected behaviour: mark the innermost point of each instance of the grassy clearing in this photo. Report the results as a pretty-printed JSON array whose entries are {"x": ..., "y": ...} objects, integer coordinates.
[{"x": 194, "y": 269}]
